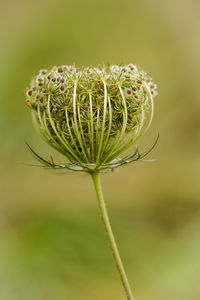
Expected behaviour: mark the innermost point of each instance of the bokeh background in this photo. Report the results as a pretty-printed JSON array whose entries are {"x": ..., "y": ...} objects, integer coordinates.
[{"x": 52, "y": 242}]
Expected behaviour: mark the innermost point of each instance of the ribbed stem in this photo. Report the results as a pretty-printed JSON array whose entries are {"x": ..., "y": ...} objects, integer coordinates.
[{"x": 113, "y": 245}]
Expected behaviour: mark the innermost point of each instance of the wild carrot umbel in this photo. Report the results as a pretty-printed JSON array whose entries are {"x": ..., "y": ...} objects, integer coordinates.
[{"x": 93, "y": 116}]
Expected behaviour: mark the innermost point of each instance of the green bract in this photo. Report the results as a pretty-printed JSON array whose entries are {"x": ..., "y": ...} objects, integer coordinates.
[{"x": 92, "y": 115}]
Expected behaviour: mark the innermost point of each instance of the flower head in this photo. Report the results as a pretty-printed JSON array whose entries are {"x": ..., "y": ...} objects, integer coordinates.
[{"x": 92, "y": 115}]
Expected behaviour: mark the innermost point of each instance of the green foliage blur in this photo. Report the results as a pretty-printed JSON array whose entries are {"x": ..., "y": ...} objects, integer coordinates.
[{"x": 52, "y": 242}]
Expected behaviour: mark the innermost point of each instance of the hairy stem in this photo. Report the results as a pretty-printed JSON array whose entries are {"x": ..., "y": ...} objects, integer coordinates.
[{"x": 113, "y": 245}]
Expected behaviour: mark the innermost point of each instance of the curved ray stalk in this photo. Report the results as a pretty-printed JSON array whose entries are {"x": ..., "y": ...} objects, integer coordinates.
[
  {"x": 55, "y": 143},
  {"x": 151, "y": 113},
  {"x": 70, "y": 132},
  {"x": 92, "y": 127},
  {"x": 81, "y": 129},
  {"x": 69, "y": 149},
  {"x": 41, "y": 122},
  {"x": 76, "y": 129},
  {"x": 125, "y": 117},
  {"x": 109, "y": 126},
  {"x": 77, "y": 151},
  {"x": 103, "y": 123},
  {"x": 142, "y": 130},
  {"x": 97, "y": 131}
]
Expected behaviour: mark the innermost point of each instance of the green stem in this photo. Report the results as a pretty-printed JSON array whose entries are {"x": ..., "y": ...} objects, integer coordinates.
[{"x": 115, "y": 251}]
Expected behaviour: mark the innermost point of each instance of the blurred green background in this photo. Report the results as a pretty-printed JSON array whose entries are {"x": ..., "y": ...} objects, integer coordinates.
[{"x": 52, "y": 242}]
